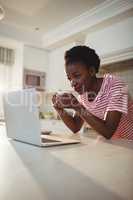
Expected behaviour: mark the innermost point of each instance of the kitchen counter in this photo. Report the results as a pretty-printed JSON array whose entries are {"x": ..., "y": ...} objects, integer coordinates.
[{"x": 92, "y": 170}]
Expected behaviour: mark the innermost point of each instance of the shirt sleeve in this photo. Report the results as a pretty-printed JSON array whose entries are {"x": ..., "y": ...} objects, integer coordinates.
[{"x": 118, "y": 97}]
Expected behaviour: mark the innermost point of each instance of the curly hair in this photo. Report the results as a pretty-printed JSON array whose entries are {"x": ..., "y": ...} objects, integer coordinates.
[{"x": 84, "y": 55}]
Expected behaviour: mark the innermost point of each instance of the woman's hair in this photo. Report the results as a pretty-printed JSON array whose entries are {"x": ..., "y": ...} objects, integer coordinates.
[{"x": 84, "y": 55}]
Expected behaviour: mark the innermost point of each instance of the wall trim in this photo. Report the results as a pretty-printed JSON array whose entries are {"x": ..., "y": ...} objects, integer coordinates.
[
  {"x": 96, "y": 15},
  {"x": 116, "y": 56}
]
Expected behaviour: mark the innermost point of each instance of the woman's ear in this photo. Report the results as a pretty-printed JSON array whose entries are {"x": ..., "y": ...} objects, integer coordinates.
[{"x": 92, "y": 71}]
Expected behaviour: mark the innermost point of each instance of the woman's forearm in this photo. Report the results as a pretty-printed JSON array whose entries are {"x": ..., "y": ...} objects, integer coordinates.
[
  {"x": 98, "y": 124},
  {"x": 69, "y": 121}
]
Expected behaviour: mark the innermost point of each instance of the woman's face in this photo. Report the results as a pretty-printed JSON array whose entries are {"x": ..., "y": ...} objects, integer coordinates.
[{"x": 80, "y": 77}]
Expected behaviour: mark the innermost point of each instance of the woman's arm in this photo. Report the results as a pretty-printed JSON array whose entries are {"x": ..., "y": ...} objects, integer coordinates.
[
  {"x": 106, "y": 127},
  {"x": 73, "y": 123}
]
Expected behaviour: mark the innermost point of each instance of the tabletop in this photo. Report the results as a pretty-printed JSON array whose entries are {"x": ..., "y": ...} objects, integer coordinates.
[{"x": 91, "y": 170}]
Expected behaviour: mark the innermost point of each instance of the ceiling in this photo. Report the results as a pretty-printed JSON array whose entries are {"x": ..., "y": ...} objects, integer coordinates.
[
  {"x": 26, "y": 19},
  {"x": 43, "y": 23},
  {"x": 43, "y": 15}
]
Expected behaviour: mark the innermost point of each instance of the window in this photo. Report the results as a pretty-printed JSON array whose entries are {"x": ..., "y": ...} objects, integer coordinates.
[{"x": 6, "y": 56}]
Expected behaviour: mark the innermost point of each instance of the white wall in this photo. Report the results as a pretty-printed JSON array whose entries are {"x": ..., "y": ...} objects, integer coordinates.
[
  {"x": 56, "y": 79},
  {"x": 116, "y": 37},
  {"x": 35, "y": 59},
  {"x": 17, "y": 72}
]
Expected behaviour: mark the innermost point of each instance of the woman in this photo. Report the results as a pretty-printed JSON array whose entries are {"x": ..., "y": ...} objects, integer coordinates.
[{"x": 103, "y": 103}]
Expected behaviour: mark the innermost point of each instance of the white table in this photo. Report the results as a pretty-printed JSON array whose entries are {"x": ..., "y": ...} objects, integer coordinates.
[{"x": 93, "y": 170}]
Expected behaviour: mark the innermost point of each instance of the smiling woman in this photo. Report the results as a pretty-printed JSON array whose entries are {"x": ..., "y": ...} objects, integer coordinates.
[{"x": 103, "y": 102}]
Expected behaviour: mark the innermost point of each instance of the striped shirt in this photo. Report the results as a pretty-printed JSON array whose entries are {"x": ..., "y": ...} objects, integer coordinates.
[{"x": 113, "y": 96}]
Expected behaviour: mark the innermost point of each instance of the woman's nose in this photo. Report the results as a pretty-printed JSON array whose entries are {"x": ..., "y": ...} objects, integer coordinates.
[{"x": 73, "y": 83}]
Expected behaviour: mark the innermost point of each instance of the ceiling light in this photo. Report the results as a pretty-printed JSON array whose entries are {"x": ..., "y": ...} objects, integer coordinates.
[
  {"x": 2, "y": 12},
  {"x": 37, "y": 29}
]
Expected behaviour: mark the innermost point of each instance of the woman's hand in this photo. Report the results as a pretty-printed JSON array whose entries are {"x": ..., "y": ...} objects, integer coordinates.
[
  {"x": 66, "y": 100},
  {"x": 56, "y": 103}
]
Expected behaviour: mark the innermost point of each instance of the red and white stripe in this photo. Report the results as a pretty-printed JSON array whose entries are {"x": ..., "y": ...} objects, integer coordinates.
[{"x": 113, "y": 96}]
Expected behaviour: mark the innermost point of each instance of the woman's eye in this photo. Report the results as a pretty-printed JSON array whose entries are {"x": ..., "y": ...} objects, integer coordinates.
[{"x": 77, "y": 75}]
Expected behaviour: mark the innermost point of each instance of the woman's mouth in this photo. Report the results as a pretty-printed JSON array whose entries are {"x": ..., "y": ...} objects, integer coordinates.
[{"x": 79, "y": 89}]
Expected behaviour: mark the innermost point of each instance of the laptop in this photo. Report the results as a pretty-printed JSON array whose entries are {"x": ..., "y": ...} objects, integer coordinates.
[{"x": 22, "y": 120}]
